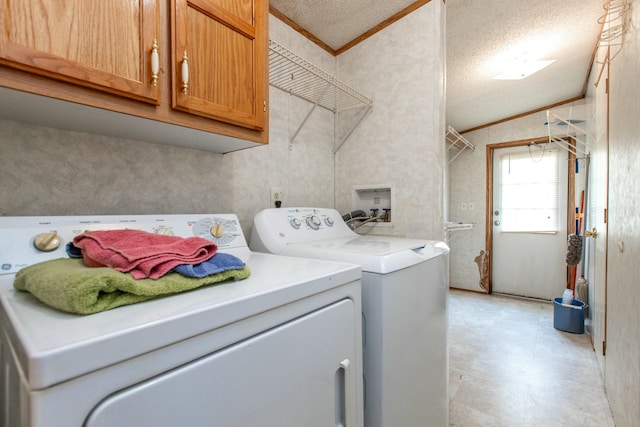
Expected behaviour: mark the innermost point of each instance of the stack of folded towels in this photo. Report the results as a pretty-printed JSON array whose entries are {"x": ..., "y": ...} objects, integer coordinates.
[{"x": 111, "y": 268}]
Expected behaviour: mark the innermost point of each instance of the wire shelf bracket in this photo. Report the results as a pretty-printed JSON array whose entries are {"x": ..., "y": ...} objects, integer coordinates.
[
  {"x": 457, "y": 143},
  {"x": 297, "y": 76},
  {"x": 571, "y": 130}
]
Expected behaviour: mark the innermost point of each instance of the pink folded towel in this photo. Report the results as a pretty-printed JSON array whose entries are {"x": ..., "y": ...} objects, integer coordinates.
[{"x": 143, "y": 254}]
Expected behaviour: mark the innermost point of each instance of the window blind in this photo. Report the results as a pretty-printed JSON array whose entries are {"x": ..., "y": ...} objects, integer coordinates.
[{"x": 529, "y": 192}]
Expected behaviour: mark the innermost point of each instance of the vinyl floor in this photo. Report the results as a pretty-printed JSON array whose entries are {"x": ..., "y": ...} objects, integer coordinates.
[{"x": 509, "y": 367}]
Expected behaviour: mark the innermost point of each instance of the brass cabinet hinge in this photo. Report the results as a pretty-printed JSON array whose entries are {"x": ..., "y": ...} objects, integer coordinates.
[
  {"x": 605, "y": 215},
  {"x": 604, "y": 348},
  {"x": 264, "y": 105}
]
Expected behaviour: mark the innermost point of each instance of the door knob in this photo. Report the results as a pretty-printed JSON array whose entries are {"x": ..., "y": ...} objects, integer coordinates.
[{"x": 593, "y": 233}]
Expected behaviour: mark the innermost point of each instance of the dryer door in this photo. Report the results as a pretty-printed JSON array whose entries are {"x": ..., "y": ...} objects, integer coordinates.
[{"x": 296, "y": 374}]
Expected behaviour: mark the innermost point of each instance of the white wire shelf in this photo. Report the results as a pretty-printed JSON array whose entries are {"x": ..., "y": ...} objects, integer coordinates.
[
  {"x": 457, "y": 143},
  {"x": 297, "y": 76},
  {"x": 566, "y": 133},
  {"x": 293, "y": 74},
  {"x": 454, "y": 226}
]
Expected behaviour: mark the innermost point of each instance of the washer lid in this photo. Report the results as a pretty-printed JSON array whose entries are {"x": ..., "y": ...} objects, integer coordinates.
[
  {"x": 376, "y": 254},
  {"x": 53, "y": 346}
]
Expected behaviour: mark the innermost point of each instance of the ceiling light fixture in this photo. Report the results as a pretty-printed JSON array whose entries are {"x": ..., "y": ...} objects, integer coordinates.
[{"x": 519, "y": 69}]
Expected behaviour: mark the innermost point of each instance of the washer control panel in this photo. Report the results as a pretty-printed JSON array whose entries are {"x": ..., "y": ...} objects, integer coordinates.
[
  {"x": 314, "y": 219},
  {"x": 28, "y": 240},
  {"x": 294, "y": 225}
]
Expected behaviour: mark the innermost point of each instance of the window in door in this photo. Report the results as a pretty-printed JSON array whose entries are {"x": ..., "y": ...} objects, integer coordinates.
[{"x": 529, "y": 192}]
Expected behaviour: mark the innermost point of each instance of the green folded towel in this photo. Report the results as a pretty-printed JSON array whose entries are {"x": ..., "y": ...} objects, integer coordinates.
[{"x": 68, "y": 285}]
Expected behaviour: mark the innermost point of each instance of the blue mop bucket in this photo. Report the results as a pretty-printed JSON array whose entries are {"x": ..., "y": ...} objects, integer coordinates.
[{"x": 569, "y": 317}]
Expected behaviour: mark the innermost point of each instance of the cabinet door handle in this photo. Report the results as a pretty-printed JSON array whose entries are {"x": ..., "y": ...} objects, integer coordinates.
[
  {"x": 155, "y": 63},
  {"x": 185, "y": 73}
]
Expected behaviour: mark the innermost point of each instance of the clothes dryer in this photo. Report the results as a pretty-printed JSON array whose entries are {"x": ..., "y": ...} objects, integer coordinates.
[{"x": 282, "y": 347}]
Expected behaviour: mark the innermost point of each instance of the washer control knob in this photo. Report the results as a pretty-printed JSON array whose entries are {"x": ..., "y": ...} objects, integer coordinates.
[
  {"x": 328, "y": 221},
  {"x": 295, "y": 223},
  {"x": 314, "y": 222},
  {"x": 47, "y": 242},
  {"x": 217, "y": 231}
]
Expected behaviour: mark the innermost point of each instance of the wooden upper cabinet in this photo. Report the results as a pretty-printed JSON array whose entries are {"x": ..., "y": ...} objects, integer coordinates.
[
  {"x": 219, "y": 60},
  {"x": 103, "y": 44}
]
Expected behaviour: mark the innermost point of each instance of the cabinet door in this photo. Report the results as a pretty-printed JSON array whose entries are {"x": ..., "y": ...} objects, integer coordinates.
[
  {"x": 219, "y": 59},
  {"x": 301, "y": 373},
  {"x": 105, "y": 44}
]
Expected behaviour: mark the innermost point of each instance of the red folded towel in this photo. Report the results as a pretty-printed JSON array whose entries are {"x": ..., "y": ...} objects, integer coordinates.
[{"x": 141, "y": 253}]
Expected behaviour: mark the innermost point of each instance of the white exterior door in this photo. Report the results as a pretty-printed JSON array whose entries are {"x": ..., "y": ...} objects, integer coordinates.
[{"x": 529, "y": 221}]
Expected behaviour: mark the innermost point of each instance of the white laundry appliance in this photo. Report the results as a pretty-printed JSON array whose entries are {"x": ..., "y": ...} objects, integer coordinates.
[
  {"x": 280, "y": 348},
  {"x": 405, "y": 285}
]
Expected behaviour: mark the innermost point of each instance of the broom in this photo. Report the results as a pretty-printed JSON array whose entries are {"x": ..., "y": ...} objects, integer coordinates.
[{"x": 582, "y": 285}]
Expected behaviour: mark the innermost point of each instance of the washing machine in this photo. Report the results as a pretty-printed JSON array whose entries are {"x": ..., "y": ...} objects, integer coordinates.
[
  {"x": 280, "y": 348},
  {"x": 405, "y": 286}
]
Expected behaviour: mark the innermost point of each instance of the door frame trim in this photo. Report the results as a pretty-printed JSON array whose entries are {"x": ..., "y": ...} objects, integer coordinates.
[{"x": 488, "y": 238}]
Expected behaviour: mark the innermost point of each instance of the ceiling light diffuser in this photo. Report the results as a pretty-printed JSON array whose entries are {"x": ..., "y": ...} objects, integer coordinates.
[{"x": 520, "y": 70}]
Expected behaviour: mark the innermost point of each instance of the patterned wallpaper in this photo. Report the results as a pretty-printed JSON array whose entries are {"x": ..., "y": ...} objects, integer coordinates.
[
  {"x": 46, "y": 171},
  {"x": 401, "y": 141}
]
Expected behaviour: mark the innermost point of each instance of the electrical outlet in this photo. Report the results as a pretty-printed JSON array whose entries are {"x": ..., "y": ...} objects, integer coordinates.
[
  {"x": 471, "y": 205},
  {"x": 276, "y": 196},
  {"x": 463, "y": 206}
]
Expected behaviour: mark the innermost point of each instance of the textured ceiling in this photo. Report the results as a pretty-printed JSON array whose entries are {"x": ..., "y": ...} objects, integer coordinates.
[
  {"x": 337, "y": 22},
  {"x": 481, "y": 32},
  {"x": 478, "y": 33}
]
